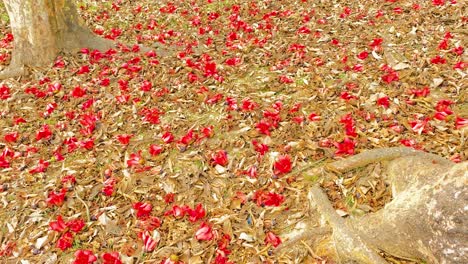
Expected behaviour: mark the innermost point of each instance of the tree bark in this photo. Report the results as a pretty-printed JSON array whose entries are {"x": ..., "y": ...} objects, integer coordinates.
[{"x": 42, "y": 29}]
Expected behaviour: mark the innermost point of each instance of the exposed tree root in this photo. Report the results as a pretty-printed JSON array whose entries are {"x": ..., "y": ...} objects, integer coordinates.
[
  {"x": 12, "y": 71},
  {"x": 348, "y": 243},
  {"x": 426, "y": 219}
]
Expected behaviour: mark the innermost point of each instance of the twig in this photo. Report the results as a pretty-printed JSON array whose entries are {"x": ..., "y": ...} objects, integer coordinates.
[{"x": 85, "y": 205}]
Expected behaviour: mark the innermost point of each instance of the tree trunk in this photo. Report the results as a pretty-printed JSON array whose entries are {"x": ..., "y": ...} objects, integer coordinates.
[{"x": 42, "y": 29}]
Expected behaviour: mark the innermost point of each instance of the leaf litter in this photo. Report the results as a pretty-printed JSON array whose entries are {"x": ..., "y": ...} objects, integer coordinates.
[{"x": 197, "y": 152}]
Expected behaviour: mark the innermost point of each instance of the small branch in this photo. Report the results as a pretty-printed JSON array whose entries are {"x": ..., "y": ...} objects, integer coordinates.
[{"x": 85, "y": 205}]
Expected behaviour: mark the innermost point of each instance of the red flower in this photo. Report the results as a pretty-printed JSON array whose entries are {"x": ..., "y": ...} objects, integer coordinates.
[
  {"x": 438, "y": 60},
  {"x": 109, "y": 185},
  {"x": 169, "y": 198},
  {"x": 197, "y": 213},
  {"x": 285, "y": 79},
  {"x": 209, "y": 69},
  {"x": 392, "y": 76},
  {"x": 54, "y": 88},
  {"x": 282, "y": 165},
  {"x": 205, "y": 232},
  {"x": 260, "y": 147},
  {"x": 84, "y": 257},
  {"x": 177, "y": 211},
  {"x": 151, "y": 223},
  {"x": 83, "y": 69},
  {"x": 135, "y": 159},
  {"x": 155, "y": 150},
  {"x": 346, "y": 96},
  {"x": 438, "y": 2},
  {"x": 55, "y": 198},
  {"x": 420, "y": 92},
  {"x": 214, "y": 99},
  {"x": 314, "y": 117},
  {"x": 409, "y": 143},
  {"x": 149, "y": 243},
  {"x": 41, "y": 167},
  {"x": 264, "y": 127},
  {"x": 268, "y": 198},
  {"x": 208, "y": 131},
  {"x": 44, "y": 132},
  {"x": 87, "y": 144},
  {"x": 458, "y": 50},
  {"x": 4, "y": 92},
  {"x": 76, "y": 225},
  {"x": 58, "y": 225},
  {"x": 443, "y": 45},
  {"x": 167, "y": 137},
  {"x": 345, "y": 147},
  {"x": 219, "y": 158},
  {"x": 304, "y": 30},
  {"x": 363, "y": 55},
  {"x": 358, "y": 68},
  {"x": 124, "y": 138},
  {"x": 151, "y": 115},
  {"x": 143, "y": 209},
  {"x": 248, "y": 105},
  {"x": 461, "y": 122},
  {"x": 233, "y": 61},
  {"x": 68, "y": 179},
  {"x": 376, "y": 43},
  {"x": 272, "y": 239},
  {"x": 420, "y": 125},
  {"x": 251, "y": 172},
  {"x": 459, "y": 65},
  {"x": 11, "y": 137},
  {"x": 146, "y": 86},
  {"x": 383, "y": 101},
  {"x": 111, "y": 258},
  {"x": 187, "y": 138},
  {"x": 65, "y": 241}
]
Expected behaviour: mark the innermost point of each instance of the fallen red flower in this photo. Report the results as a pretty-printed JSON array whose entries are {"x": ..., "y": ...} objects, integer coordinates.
[
  {"x": 272, "y": 239},
  {"x": 282, "y": 165},
  {"x": 205, "y": 232},
  {"x": 346, "y": 147},
  {"x": 55, "y": 198},
  {"x": 65, "y": 241},
  {"x": 219, "y": 158},
  {"x": 84, "y": 257},
  {"x": 111, "y": 258},
  {"x": 58, "y": 225},
  {"x": 143, "y": 209},
  {"x": 196, "y": 213}
]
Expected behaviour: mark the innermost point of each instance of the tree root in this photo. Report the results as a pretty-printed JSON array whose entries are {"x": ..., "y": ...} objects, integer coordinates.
[
  {"x": 378, "y": 155},
  {"x": 426, "y": 219},
  {"x": 347, "y": 242},
  {"x": 12, "y": 71},
  {"x": 305, "y": 235}
]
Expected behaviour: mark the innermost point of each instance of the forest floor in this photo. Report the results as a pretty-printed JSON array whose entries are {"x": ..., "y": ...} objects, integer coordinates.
[{"x": 198, "y": 154}]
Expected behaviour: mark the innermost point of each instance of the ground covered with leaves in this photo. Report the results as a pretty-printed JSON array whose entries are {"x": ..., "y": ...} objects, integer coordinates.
[{"x": 197, "y": 152}]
